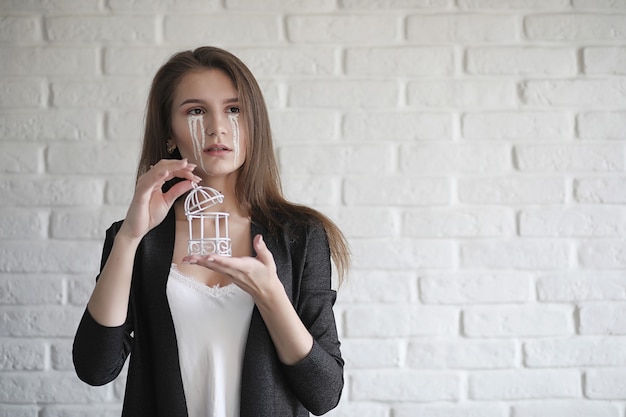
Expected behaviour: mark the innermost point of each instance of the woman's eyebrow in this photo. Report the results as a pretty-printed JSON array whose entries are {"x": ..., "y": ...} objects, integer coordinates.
[{"x": 197, "y": 100}]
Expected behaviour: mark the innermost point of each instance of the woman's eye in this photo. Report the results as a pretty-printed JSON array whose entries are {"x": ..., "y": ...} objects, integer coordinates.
[
  {"x": 195, "y": 112},
  {"x": 233, "y": 109}
]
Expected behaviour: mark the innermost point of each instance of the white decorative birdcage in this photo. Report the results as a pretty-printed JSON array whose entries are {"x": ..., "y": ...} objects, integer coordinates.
[{"x": 197, "y": 205}]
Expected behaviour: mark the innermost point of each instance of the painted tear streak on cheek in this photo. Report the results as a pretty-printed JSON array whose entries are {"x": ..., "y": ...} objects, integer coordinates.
[
  {"x": 234, "y": 125},
  {"x": 198, "y": 137}
]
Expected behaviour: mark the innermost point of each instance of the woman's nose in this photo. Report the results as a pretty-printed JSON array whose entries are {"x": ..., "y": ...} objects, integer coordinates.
[{"x": 217, "y": 125}]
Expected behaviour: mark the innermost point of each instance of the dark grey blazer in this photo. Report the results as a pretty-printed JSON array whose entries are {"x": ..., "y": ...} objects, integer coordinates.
[{"x": 269, "y": 388}]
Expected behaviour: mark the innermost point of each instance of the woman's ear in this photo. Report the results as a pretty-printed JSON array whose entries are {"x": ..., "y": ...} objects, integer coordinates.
[{"x": 170, "y": 146}]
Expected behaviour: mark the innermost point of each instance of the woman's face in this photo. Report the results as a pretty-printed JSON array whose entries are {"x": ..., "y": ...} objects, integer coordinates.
[{"x": 206, "y": 124}]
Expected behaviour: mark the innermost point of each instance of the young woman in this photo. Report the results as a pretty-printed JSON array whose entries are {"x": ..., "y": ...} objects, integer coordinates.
[{"x": 249, "y": 335}]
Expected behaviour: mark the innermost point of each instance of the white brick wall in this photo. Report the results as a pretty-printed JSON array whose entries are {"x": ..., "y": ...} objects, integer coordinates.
[{"x": 472, "y": 150}]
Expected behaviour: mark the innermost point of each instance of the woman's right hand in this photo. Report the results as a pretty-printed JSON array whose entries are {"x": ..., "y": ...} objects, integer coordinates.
[{"x": 150, "y": 205}]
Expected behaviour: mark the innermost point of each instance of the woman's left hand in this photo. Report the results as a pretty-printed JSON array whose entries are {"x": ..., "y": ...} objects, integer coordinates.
[{"x": 255, "y": 275}]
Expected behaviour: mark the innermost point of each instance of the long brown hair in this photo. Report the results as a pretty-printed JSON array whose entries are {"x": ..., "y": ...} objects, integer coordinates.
[{"x": 258, "y": 186}]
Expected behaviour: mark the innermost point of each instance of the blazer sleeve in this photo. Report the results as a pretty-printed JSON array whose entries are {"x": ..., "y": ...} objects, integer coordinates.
[
  {"x": 317, "y": 380},
  {"x": 99, "y": 352}
]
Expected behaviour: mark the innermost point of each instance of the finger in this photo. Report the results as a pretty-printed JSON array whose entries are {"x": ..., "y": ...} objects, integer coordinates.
[
  {"x": 263, "y": 254},
  {"x": 176, "y": 191}
]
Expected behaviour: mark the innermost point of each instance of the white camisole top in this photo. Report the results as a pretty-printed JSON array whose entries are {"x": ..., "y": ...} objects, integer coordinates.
[{"x": 211, "y": 326}]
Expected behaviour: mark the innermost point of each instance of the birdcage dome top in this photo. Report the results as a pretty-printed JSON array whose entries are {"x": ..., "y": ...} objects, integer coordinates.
[{"x": 201, "y": 198}]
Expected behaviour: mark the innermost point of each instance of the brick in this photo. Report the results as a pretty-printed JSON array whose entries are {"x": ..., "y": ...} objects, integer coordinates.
[
  {"x": 513, "y": 4},
  {"x": 367, "y": 286},
  {"x": 602, "y": 254},
  {"x": 575, "y": 27},
  {"x": 461, "y": 28},
  {"x": 604, "y": 60},
  {"x": 371, "y": 354},
  {"x": 267, "y": 61},
  {"x": 50, "y": 191},
  {"x": 556, "y": 93},
  {"x": 280, "y": 5},
  {"x": 518, "y": 320},
  {"x": 89, "y": 29},
  {"x": 31, "y": 289},
  {"x": 128, "y": 93},
  {"x": 472, "y": 94},
  {"x": 572, "y": 222},
  {"x": 519, "y": 254},
  {"x": 603, "y": 319},
  {"x": 124, "y": 126},
  {"x": 291, "y": 126},
  {"x": 29, "y": 61},
  {"x": 602, "y": 125},
  {"x": 605, "y": 384},
  {"x": 458, "y": 222},
  {"x": 455, "y": 354},
  {"x": 22, "y": 355},
  {"x": 335, "y": 93},
  {"x": 61, "y": 356},
  {"x": 273, "y": 93},
  {"x": 511, "y": 190},
  {"x": 46, "y": 256},
  {"x": 199, "y": 28},
  {"x": 49, "y": 125},
  {"x": 350, "y": 29},
  {"x": 405, "y": 386},
  {"x": 19, "y": 29},
  {"x": 400, "y": 61},
  {"x": 163, "y": 5},
  {"x": 528, "y": 61},
  {"x": 143, "y": 61},
  {"x": 475, "y": 287},
  {"x": 84, "y": 223},
  {"x": 523, "y": 125},
  {"x": 79, "y": 289},
  {"x": 582, "y": 351},
  {"x": 402, "y": 253},
  {"x": 314, "y": 191},
  {"x": 100, "y": 410},
  {"x": 383, "y": 321},
  {"x": 397, "y": 126},
  {"x": 600, "y": 190},
  {"x": 22, "y": 93},
  {"x": 367, "y": 221},
  {"x": 359, "y": 409},
  {"x": 23, "y": 224},
  {"x": 455, "y": 158},
  {"x": 581, "y": 286},
  {"x": 50, "y": 6},
  {"x": 101, "y": 158},
  {"x": 119, "y": 191},
  {"x": 21, "y": 158},
  {"x": 393, "y": 4},
  {"x": 341, "y": 159},
  {"x": 447, "y": 410},
  {"x": 394, "y": 190},
  {"x": 48, "y": 388},
  {"x": 19, "y": 411},
  {"x": 599, "y": 4},
  {"x": 48, "y": 321},
  {"x": 569, "y": 408},
  {"x": 564, "y": 158},
  {"x": 524, "y": 385}
]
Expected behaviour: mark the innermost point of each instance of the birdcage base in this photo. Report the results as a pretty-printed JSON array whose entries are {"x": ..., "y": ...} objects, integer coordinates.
[{"x": 205, "y": 247}]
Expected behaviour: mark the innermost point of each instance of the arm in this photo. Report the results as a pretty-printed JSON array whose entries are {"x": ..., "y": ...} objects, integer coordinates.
[
  {"x": 103, "y": 339},
  {"x": 108, "y": 304},
  {"x": 305, "y": 337}
]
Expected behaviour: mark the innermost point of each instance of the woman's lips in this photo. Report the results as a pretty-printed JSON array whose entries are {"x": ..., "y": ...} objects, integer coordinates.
[{"x": 217, "y": 149}]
